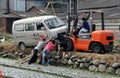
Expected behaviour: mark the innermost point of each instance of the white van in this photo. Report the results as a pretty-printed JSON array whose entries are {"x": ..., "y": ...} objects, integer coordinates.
[{"x": 28, "y": 31}]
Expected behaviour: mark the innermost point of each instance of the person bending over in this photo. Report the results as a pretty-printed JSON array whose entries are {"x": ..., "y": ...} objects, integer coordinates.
[{"x": 46, "y": 52}]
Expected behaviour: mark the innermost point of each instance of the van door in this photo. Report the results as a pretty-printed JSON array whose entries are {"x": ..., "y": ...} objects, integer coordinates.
[
  {"x": 30, "y": 34},
  {"x": 41, "y": 31}
]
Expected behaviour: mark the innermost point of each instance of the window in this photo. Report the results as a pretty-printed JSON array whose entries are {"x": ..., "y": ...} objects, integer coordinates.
[
  {"x": 29, "y": 26},
  {"x": 40, "y": 26},
  {"x": 54, "y": 23},
  {"x": 19, "y": 27}
]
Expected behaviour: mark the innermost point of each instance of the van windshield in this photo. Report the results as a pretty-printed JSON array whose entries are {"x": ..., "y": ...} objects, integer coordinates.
[{"x": 54, "y": 23}]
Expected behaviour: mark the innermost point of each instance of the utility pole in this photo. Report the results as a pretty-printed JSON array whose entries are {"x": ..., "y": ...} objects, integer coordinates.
[
  {"x": 69, "y": 14},
  {"x": 75, "y": 13},
  {"x": 7, "y": 6},
  {"x": 25, "y": 5},
  {"x": 102, "y": 18}
]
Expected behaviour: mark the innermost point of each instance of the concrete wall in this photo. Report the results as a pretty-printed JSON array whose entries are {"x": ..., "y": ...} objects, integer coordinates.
[
  {"x": 17, "y": 5},
  {"x": 2, "y": 4}
]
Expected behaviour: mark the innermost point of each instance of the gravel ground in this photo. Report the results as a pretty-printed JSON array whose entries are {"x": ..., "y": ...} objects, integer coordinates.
[
  {"x": 13, "y": 69},
  {"x": 22, "y": 73}
]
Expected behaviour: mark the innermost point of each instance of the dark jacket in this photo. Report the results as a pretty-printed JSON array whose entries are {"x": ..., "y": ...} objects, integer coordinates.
[{"x": 85, "y": 24}]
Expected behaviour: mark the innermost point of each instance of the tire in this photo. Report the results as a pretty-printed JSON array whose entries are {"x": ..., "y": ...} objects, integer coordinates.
[
  {"x": 97, "y": 48},
  {"x": 70, "y": 46},
  {"x": 22, "y": 46}
]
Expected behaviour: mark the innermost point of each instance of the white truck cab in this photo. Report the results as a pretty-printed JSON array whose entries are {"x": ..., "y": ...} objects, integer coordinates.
[{"x": 28, "y": 31}]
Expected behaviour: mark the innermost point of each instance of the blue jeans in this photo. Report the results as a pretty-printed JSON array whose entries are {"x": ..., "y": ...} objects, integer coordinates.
[{"x": 45, "y": 53}]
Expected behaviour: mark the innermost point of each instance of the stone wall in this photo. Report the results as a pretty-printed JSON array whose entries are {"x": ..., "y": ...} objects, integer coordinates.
[{"x": 87, "y": 63}]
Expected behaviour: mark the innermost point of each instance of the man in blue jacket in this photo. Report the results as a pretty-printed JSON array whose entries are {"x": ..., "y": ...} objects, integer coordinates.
[{"x": 84, "y": 27}]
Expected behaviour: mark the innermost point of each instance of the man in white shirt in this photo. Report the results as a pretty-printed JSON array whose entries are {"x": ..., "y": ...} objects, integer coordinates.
[{"x": 39, "y": 46}]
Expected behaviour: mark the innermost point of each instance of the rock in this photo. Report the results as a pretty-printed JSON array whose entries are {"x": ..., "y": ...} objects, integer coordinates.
[
  {"x": 53, "y": 61},
  {"x": 108, "y": 65},
  {"x": 72, "y": 57},
  {"x": 96, "y": 62},
  {"x": 93, "y": 68},
  {"x": 64, "y": 61},
  {"x": 5, "y": 55},
  {"x": 16, "y": 53},
  {"x": 84, "y": 60},
  {"x": 118, "y": 71},
  {"x": 86, "y": 65},
  {"x": 22, "y": 55},
  {"x": 116, "y": 65},
  {"x": 103, "y": 62},
  {"x": 12, "y": 55},
  {"x": 110, "y": 70},
  {"x": 5, "y": 52},
  {"x": 67, "y": 56},
  {"x": 102, "y": 67},
  {"x": 70, "y": 62},
  {"x": 81, "y": 65},
  {"x": 79, "y": 60},
  {"x": 75, "y": 66},
  {"x": 58, "y": 61},
  {"x": 57, "y": 57},
  {"x": 89, "y": 59},
  {"x": 91, "y": 62}
]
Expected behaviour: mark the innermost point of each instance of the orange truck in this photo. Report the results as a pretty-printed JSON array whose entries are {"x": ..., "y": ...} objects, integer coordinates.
[{"x": 99, "y": 41}]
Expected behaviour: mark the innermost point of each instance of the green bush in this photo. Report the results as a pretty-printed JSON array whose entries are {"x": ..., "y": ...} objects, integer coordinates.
[{"x": 8, "y": 37}]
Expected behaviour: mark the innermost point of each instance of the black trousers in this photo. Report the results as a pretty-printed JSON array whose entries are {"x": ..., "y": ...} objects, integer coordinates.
[{"x": 34, "y": 57}]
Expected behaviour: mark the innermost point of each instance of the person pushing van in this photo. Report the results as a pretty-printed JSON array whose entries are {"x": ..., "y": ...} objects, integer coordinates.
[
  {"x": 46, "y": 52},
  {"x": 39, "y": 46}
]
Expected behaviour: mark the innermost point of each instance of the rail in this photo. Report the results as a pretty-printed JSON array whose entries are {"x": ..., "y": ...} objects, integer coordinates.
[{"x": 110, "y": 25}]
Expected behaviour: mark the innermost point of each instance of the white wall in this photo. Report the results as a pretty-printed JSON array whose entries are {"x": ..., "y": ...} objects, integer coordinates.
[
  {"x": 2, "y": 4},
  {"x": 17, "y": 5}
]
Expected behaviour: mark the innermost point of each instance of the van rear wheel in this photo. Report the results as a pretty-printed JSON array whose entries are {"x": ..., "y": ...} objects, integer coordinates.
[{"x": 22, "y": 46}]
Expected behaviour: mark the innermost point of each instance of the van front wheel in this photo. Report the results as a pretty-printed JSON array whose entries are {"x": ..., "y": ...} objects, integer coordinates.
[{"x": 22, "y": 46}]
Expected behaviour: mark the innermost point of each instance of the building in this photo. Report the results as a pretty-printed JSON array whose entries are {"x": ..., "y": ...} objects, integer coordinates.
[{"x": 11, "y": 10}]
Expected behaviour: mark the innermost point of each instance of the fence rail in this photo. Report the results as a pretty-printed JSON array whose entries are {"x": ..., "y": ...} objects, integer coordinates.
[{"x": 115, "y": 27}]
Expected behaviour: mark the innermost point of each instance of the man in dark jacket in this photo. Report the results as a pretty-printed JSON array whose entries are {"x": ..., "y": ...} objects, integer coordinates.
[{"x": 84, "y": 27}]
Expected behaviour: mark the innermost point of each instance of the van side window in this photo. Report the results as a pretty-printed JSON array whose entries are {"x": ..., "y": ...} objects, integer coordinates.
[
  {"x": 19, "y": 27},
  {"x": 40, "y": 26},
  {"x": 29, "y": 26}
]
